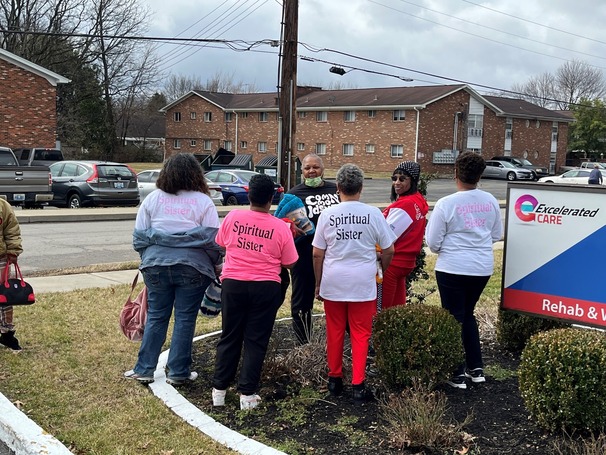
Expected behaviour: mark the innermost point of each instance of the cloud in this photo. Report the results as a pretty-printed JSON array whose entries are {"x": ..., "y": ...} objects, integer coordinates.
[{"x": 496, "y": 43}]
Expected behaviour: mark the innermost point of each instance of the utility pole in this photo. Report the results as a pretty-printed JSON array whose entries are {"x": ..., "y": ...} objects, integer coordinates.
[{"x": 288, "y": 91}]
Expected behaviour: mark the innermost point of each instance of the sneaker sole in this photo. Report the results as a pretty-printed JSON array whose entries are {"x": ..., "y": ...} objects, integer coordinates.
[
  {"x": 456, "y": 386},
  {"x": 476, "y": 380}
]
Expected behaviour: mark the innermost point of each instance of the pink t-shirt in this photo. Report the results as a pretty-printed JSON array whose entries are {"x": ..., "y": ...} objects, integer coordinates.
[{"x": 256, "y": 244}]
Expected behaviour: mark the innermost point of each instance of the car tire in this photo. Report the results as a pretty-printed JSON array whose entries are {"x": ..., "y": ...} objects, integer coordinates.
[
  {"x": 511, "y": 176},
  {"x": 231, "y": 200},
  {"x": 535, "y": 177},
  {"x": 74, "y": 201}
]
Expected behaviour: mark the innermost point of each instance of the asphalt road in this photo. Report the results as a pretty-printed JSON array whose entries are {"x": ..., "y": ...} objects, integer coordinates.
[{"x": 57, "y": 245}]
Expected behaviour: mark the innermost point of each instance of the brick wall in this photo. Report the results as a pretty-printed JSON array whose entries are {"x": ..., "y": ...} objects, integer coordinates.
[
  {"x": 28, "y": 114},
  {"x": 436, "y": 132}
]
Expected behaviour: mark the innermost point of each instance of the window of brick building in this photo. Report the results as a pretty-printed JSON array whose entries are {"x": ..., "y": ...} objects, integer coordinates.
[
  {"x": 192, "y": 115},
  {"x": 302, "y": 114},
  {"x": 399, "y": 115},
  {"x": 227, "y": 145},
  {"x": 348, "y": 149},
  {"x": 243, "y": 144},
  {"x": 228, "y": 116},
  {"x": 208, "y": 116},
  {"x": 372, "y": 114},
  {"x": 370, "y": 148},
  {"x": 263, "y": 116},
  {"x": 177, "y": 143},
  {"x": 262, "y": 147},
  {"x": 300, "y": 146},
  {"x": 320, "y": 149},
  {"x": 177, "y": 116},
  {"x": 397, "y": 151},
  {"x": 208, "y": 144},
  {"x": 349, "y": 116},
  {"x": 321, "y": 116},
  {"x": 193, "y": 142},
  {"x": 243, "y": 114}
]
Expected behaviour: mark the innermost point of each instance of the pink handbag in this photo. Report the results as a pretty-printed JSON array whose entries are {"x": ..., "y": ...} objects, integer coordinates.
[{"x": 134, "y": 313}]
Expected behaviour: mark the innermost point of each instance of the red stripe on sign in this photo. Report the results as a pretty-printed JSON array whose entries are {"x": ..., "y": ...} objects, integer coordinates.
[{"x": 553, "y": 306}]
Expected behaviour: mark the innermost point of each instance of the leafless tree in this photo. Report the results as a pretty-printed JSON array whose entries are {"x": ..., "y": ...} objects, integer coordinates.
[
  {"x": 577, "y": 80},
  {"x": 177, "y": 86},
  {"x": 572, "y": 81},
  {"x": 538, "y": 90}
]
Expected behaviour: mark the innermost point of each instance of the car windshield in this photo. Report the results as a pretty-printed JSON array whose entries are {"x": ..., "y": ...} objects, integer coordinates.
[
  {"x": 507, "y": 164},
  {"x": 525, "y": 162}
]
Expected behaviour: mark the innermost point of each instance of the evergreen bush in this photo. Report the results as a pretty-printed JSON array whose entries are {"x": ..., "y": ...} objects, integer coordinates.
[
  {"x": 416, "y": 342},
  {"x": 515, "y": 329},
  {"x": 562, "y": 376}
]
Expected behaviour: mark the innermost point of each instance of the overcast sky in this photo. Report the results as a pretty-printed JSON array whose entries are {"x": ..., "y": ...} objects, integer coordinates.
[{"x": 491, "y": 43}]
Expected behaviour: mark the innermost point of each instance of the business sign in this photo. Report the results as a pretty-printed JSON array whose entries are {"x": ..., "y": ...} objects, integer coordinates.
[{"x": 555, "y": 252}]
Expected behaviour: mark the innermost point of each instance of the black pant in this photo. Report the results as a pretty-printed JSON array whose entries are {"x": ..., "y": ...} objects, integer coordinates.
[
  {"x": 459, "y": 295},
  {"x": 249, "y": 310},
  {"x": 303, "y": 292}
]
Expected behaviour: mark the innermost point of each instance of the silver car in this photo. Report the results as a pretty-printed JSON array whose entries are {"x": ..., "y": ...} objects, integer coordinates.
[
  {"x": 505, "y": 170},
  {"x": 147, "y": 184}
]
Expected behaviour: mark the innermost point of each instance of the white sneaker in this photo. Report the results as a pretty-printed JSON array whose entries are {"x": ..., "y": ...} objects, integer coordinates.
[
  {"x": 249, "y": 401},
  {"x": 180, "y": 381},
  {"x": 219, "y": 397}
]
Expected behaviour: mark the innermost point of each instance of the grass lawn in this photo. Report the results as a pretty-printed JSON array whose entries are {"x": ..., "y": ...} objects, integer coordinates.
[{"x": 68, "y": 378}]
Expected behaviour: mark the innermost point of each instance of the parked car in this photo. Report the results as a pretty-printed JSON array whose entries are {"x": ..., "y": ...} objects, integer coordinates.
[
  {"x": 537, "y": 171},
  {"x": 147, "y": 184},
  {"x": 38, "y": 156},
  {"x": 573, "y": 177},
  {"x": 506, "y": 170},
  {"x": 234, "y": 185},
  {"x": 93, "y": 183}
]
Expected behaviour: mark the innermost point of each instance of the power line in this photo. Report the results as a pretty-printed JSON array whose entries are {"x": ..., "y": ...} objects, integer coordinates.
[
  {"x": 477, "y": 36},
  {"x": 534, "y": 23},
  {"x": 500, "y": 31}
]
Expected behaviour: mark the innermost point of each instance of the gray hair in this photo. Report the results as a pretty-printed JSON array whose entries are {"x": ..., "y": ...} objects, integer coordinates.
[{"x": 350, "y": 179}]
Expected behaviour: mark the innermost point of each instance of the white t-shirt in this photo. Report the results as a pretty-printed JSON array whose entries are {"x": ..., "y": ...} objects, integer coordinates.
[
  {"x": 461, "y": 229},
  {"x": 348, "y": 232},
  {"x": 176, "y": 213}
]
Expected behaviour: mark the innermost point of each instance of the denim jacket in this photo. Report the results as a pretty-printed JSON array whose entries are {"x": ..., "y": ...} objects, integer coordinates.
[{"x": 196, "y": 248}]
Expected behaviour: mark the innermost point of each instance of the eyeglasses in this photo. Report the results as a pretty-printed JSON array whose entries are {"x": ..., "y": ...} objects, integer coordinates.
[{"x": 401, "y": 178}]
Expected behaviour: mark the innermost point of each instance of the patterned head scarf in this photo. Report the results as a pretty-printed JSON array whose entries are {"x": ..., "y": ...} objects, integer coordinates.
[{"x": 409, "y": 168}]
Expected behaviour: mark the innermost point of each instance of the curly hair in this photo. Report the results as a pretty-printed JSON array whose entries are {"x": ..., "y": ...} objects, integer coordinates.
[
  {"x": 182, "y": 172},
  {"x": 469, "y": 167},
  {"x": 261, "y": 190},
  {"x": 350, "y": 179}
]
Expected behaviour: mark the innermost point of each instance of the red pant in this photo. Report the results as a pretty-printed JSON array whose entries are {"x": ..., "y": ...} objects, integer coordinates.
[
  {"x": 394, "y": 286},
  {"x": 359, "y": 316}
]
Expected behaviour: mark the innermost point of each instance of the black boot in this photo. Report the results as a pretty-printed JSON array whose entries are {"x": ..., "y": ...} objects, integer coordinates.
[
  {"x": 335, "y": 386},
  {"x": 8, "y": 339},
  {"x": 360, "y": 393}
]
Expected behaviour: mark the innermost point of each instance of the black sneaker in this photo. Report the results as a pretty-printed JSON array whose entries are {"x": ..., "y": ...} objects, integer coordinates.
[
  {"x": 476, "y": 375},
  {"x": 9, "y": 340},
  {"x": 335, "y": 386},
  {"x": 458, "y": 382}
]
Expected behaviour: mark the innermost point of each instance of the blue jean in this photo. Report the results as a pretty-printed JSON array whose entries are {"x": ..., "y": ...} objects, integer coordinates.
[
  {"x": 459, "y": 295},
  {"x": 180, "y": 287}
]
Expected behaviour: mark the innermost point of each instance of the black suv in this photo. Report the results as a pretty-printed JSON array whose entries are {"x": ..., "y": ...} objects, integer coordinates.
[{"x": 537, "y": 171}]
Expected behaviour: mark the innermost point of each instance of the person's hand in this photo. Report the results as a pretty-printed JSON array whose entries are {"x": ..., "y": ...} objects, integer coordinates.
[
  {"x": 11, "y": 258},
  {"x": 297, "y": 231},
  {"x": 317, "y": 293}
]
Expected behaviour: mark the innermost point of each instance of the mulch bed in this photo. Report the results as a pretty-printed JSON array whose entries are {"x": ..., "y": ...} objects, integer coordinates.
[{"x": 501, "y": 424}]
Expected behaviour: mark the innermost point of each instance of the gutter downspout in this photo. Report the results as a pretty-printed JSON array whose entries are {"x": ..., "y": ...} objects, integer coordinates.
[
  {"x": 417, "y": 135},
  {"x": 236, "y": 138}
]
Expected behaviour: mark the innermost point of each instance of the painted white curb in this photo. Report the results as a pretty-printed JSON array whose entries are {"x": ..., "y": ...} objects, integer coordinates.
[
  {"x": 23, "y": 436},
  {"x": 203, "y": 422}
]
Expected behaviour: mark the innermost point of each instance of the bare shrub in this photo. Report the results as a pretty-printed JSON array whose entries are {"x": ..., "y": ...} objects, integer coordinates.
[
  {"x": 417, "y": 418},
  {"x": 592, "y": 445}
]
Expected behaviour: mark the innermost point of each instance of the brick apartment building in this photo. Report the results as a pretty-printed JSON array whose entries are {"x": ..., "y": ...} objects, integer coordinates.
[
  {"x": 28, "y": 103},
  {"x": 375, "y": 128}
]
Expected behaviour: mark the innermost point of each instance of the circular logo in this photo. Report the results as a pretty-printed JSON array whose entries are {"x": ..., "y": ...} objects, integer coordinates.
[{"x": 524, "y": 207}]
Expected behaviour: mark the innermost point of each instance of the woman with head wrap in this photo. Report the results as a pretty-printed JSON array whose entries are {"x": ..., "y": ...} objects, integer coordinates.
[{"x": 407, "y": 218}]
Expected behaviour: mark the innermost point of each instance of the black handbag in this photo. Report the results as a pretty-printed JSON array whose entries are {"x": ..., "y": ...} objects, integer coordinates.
[{"x": 15, "y": 291}]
